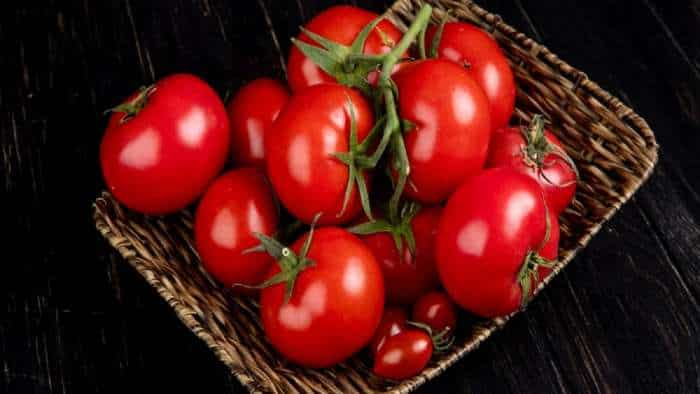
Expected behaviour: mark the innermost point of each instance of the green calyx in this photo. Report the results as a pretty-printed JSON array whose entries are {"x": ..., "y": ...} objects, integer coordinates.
[
  {"x": 442, "y": 341},
  {"x": 528, "y": 276},
  {"x": 350, "y": 67},
  {"x": 132, "y": 107},
  {"x": 397, "y": 225},
  {"x": 291, "y": 265},
  {"x": 347, "y": 64},
  {"x": 538, "y": 147}
]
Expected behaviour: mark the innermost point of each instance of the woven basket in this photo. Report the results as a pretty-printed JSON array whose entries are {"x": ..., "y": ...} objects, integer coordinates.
[{"x": 613, "y": 147}]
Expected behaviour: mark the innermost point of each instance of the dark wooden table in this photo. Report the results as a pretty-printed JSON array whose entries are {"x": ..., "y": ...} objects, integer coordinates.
[{"x": 74, "y": 318}]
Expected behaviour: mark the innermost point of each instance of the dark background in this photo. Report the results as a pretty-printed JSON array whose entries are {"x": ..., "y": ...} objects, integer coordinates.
[{"x": 623, "y": 317}]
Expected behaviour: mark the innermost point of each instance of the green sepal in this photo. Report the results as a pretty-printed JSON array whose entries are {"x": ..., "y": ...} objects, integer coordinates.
[
  {"x": 442, "y": 341},
  {"x": 435, "y": 44},
  {"x": 528, "y": 275}
]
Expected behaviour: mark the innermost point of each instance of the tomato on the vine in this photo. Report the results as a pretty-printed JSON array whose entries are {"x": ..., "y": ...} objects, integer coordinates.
[
  {"x": 436, "y": 310},
  {"x": 404, "y": 355},
  {"x": 302, "y": 152},
  {"x": 340, "y": 24},
  {"x": 538, "y": 153},
  {"x": 393, "y": 322},
  {"x": 449, "y": 138},
  {"x": 480, "y": 55},
  {"x": 324, "y": 300},
  {"x": 165, "y": 144},
  {"x": 251, "y": 113},
  {"x": 238, "y": 204},
  {"x": 488, "y": 250},
  {"x": 408, "y": 275}
]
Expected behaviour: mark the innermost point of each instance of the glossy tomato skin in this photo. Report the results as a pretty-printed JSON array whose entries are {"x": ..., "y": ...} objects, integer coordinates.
[
  {"x": 436, "y": 310},
  {"x": 335, "y": 307},
  {"x": 557, "y": 178},
  {"x": 393, "y": 322},
  {"x": 163, "y": 158},
  {"x": 408, "y": 277},
  {"x": 480, "y": 55},
  {"x": 404, "y": 355},
  {"x": 235, "y": 206},
  {"x": 251, "y": 113},
  {"x": 450, "y": 139},
  {"x": 314, "y": 125},
  {"x": 341, "y": 24},
  {"x": 483, "y": 242}
]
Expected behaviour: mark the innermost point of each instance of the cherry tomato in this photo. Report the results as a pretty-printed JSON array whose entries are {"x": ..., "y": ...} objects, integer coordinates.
[
  {"x": 450, "y": 139},
  {"x": 484, "y": 245},
  {"x": 481, "y": 56},
  {"x": 340, "y": 24},
  {"x": 163, "y": 146},
  {"x": 404, "y": 355},
  {"x": 237, "y": 204},
  {"x": 336, "y": 304},
  {"x": 436, "y": 310},
  {"x": 393, "y": 322},
  {"x": 306, "y": 175},
  {"x": 406, "y": 276},
  {"x": 555, "y": 174},
  {"x": 251, "y": 113}
]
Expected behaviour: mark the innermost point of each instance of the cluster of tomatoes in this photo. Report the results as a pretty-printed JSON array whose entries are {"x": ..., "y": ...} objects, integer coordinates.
[{"x": 395, "y": 148}]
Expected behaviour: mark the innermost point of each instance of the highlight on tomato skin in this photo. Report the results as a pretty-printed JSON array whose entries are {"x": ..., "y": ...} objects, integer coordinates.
[
  {"x": 393, "y": 322},
  {"x": 404, "y": 355},
  {"x": 436, "y": 310},
  {"x": 251, "y": 112}
]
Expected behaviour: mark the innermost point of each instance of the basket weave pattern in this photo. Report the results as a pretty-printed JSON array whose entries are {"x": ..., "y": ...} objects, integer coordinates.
[{"x": 613, "y": 147}]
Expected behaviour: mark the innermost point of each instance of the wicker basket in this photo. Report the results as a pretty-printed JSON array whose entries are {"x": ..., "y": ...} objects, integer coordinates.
[{"x": 614, "y": 148}]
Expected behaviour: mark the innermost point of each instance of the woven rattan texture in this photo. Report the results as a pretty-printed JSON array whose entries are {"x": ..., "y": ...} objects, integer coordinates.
[{"x": 613, "y": 147}]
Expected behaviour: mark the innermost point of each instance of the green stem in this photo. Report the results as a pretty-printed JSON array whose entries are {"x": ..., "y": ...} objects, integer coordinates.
[
  {"x": 393, "y": 57},
  {"x": 421, "y": 43}
]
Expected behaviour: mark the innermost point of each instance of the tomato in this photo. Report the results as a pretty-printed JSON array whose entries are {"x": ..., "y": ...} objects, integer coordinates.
[
  {"x": 436, "y": 310},
  {"x": 393, "y": 322},
  {"x": 486, "y": 247},
  {"x": 449, "y": 140},
  {"x": 404, "y": 355},
  {"x": 555, "y": 172},
  {"x": 406, "y": 276},
  {"x": 336, "y": 302},
  {"x": 251, "y": 113},
  {"x": 236, "y": 205},
  {"x": 306, "y": 175},
  {"x": 340, "y": 24},
  {"x": 480, "y": 55},
  {"x": 163, "y": 146}
]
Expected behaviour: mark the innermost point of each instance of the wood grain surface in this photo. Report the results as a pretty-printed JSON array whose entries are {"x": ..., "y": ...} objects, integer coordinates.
[{"x": 623, "y": 317}]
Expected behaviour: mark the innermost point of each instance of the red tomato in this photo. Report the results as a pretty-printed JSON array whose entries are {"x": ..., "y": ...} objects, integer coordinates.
[
  {"x": 407, "y": 277},
  {"x": 237, "y": 204},
  {"x": 484, "y": 244},
  {"x": 251, "y": 113},
  {"x": 335, "y": 306},
  {"x": 555, "y": 175},
  {"x": 450, "y": 139},
  {"x": 314, "y": 125},
  {"x": 436, "y": 310},
  {"x": 340, "y": 24},
  {"x": 481, "y": 56},
  {"x": 404, "y": 355},
  {"x": 160, "y": 155},
  {"x": 393, "y": 322}
]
